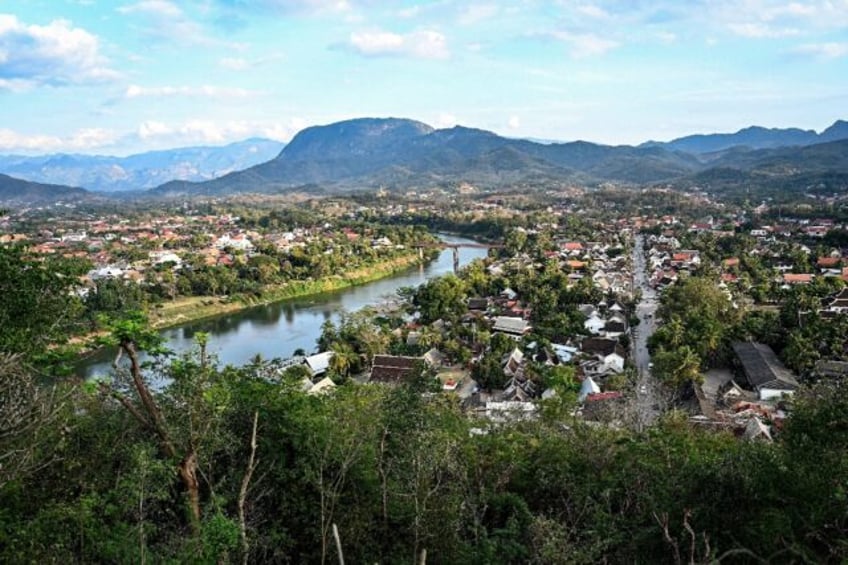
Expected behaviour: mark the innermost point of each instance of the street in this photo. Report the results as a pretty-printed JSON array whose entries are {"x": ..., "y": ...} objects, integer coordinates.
[{"x": 645, "y": 401}]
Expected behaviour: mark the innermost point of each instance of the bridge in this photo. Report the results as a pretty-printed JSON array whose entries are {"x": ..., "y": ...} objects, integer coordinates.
[{"x": 455, "y": 247}]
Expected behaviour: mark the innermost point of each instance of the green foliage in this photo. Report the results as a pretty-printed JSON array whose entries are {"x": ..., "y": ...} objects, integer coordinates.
[
  {"x": 38, "y": 307},
  {"x": 699, "y": 314},
  {"x": 441, "y": 298}
]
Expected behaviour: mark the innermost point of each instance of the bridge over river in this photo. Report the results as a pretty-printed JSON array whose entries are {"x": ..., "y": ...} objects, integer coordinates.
[{"x": 455, "y": 246}]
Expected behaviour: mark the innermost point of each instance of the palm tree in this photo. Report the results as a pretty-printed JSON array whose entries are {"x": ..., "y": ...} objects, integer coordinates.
[{"x": 344, "y": 358}]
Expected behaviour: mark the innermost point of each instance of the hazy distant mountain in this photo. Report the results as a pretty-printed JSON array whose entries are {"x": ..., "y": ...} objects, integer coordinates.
[
  {"x": 399, "y": 153},
  {"x": 753, "y": 137},
  {"x": 142, "y": 171},
  {"x": 21, "y": 192}
]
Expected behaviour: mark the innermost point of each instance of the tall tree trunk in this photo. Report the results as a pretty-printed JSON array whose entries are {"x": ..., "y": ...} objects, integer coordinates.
[
  {"x": 188, "y": 475},
  {"x": 245, "y": 482}
]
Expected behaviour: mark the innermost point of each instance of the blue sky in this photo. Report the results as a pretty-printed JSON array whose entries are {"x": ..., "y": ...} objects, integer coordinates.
[{"x": 115, "y": 77}]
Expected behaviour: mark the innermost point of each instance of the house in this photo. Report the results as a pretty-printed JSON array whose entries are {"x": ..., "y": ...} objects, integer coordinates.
[
  {"x": 520, "y": 389},
  {"x": 512, "y": 326},
  {"x": 756, "y": 430},
  {"x": 731, "y": 262},
  {"x": 828, "y": 262},
  {"x": 763, "y": 371},
  {"x": 615, "y": 326},
  {"x": 434, "y": 358},
  {"x": 392, "y": 369},
  {"x": 839, "y": 303},
  {"x": 594, "y": 324},
  {"x": 587, "y": 387},
  {"x": 565, "y": 353},
  {"x": 509, "y": 294},
  {"x": 318, "y": 363},
  {"x": 512, "y": 363},
  {"x": 831, "y": 369},
  {"x": 797, "y": 278},
  {"x": 608, "y": 351},
  {"x": 324, "y": 386}
]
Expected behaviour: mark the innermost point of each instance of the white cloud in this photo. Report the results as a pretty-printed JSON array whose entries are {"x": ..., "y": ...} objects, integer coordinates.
[
  {"x": 832, "y": 50},
  {"x": 203, "y": 131},
  {"x": 585, "y": 44},
  {"x": 444, "y": 121},
  {"x": 82, "y": 140},
  {"x": 760, "y": 30},
  {"x": 206, "y": 91},
  {"x": 666, "y": 37},
  {"x": 57, "y": 54},
  {"x": 424, "y": 44},
  {"x": 161, "y": 8},
  {"x": 514, "y": 122},
  {"x": 411, "y": 12},
  {"x": 306, "y": 7},
  {"x": 242, "y": 64},
  {"x": 593, "y": 11},
  {"x": 234, "y": 63},
  {"x": 151, "y": 134},
  {"x": 166, "y": 21},
  {"x": 477, "y": 13}
]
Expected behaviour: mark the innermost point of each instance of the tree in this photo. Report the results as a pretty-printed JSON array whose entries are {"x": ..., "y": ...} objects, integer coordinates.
[
  {"x": 344, "y": 358},
  {"x": 677, "y": 367},
  {"x": 38, "y": 307},
  {"x": 441, "y": 298},
  {"x": 193, "y": 390},
  {"x": 32, "y": 419}
]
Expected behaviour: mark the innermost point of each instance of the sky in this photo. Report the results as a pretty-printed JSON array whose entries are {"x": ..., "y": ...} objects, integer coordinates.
[{"x": 119, "y": 77}]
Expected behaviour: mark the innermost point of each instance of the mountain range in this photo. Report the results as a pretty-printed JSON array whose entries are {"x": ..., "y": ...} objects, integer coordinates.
[
  {"x": 145, "y": 170},
  {"x": 754, "y": 137},
  {"x": 397, "y": 153},
  {"x": 401, "y": 154},
  {"x": 18, "y": 192}
]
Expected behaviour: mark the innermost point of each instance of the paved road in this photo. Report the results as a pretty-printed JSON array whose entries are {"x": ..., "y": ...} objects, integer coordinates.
[{"x": 646, "y": 400}]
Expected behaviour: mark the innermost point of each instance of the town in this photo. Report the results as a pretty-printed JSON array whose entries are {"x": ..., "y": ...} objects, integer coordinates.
[{"x": 626, "y": 316}]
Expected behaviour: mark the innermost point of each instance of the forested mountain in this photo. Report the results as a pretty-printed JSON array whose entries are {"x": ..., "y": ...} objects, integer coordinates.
[
  {"x": 141, "y": 171},
  {"x": 402, "y": 154},
  {"x": 16, "y": 191},
  {"x": 754, "y": 137},
  {"x": 780, "y": 172}
]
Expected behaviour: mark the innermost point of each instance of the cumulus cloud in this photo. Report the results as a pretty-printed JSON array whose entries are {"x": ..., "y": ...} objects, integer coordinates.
[
  {"x": 423, "y": 44},
  {"x": 206, "y": 91},
  {"x": 57, "y": 54},
  {"x": 832, "y": 50},
  {"x": 514, "y": 122},
  {"x": 82, "y": 140}
]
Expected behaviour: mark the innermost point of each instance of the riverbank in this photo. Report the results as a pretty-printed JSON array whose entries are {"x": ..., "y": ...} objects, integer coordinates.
[{"x": 194, "y": 308}]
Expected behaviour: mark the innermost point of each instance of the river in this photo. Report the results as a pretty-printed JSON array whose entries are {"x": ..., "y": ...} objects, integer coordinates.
[{"x": 279, "y": 329}]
